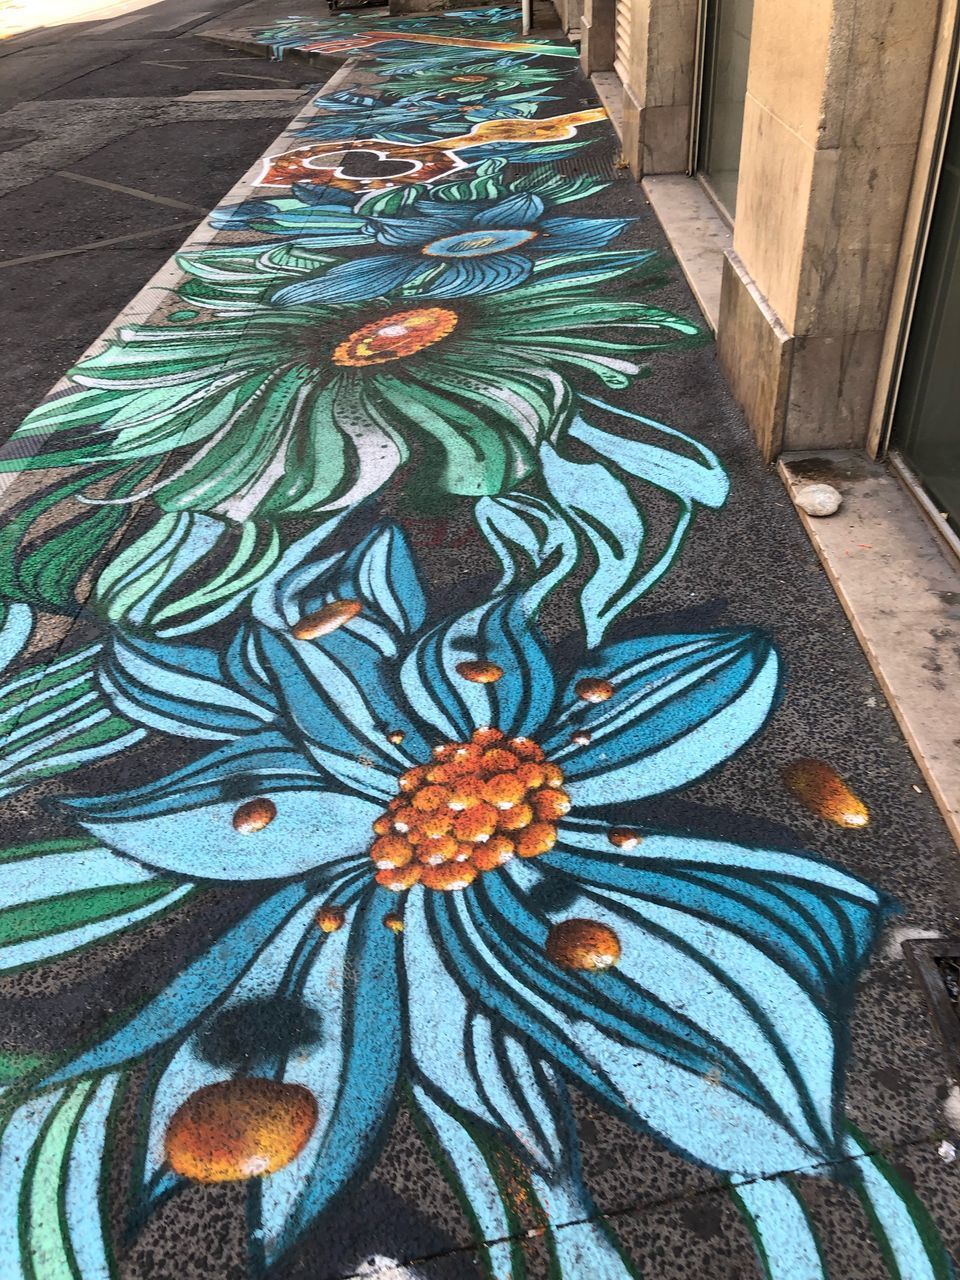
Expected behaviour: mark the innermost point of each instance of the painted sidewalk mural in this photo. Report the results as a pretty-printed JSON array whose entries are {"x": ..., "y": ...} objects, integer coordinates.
[{"x": 226, "y": 663}]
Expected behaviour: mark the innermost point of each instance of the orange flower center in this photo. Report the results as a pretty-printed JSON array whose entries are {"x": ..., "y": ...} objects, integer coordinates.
[
  {"x": 473, "y": 808},
  {"x": 401, "y": 334}
]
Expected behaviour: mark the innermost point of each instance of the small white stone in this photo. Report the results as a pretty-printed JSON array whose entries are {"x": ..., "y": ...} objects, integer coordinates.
[
  {"x": 818, "y": 499},
  {"x": 947, "y": 1152}
]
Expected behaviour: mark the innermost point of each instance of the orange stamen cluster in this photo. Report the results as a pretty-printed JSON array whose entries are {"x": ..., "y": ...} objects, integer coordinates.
[{"x": 474, "y": 807}]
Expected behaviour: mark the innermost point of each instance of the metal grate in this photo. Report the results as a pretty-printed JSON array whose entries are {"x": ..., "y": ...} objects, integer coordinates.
[{"x": 936, "y": 966}]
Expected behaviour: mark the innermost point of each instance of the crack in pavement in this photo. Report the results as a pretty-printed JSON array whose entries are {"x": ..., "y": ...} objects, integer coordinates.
[{"x": 649, "y": 1206}]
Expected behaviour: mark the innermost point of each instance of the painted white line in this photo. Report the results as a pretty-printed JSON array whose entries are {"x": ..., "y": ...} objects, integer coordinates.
[
  {"x": 130, "y": 191},
  {"x": 94, "y": 244}
]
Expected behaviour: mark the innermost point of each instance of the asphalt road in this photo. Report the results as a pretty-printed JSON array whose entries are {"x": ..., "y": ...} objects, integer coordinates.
[{"x": 107, "y": 160}]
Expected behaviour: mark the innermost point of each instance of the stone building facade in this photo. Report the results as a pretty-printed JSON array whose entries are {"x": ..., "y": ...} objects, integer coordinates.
[{"x": 820, "y": 132}]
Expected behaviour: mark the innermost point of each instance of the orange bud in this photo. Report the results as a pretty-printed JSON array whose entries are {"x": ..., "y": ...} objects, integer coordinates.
[
  {"x": 526, "y": 748},
  {"x": 391, "y": 852},
  {"x": 582, "y": 944},
  {"x": 433, "y": 825},
  {"x": 430, "y": 798},
  {"x": 475, "y": 823},
  {"x": 432, "y": 852},
  {"x": 413, "y": 778},
  {"x": 496, "y": 760},
  {"x": 479, "y": 672},
  {"x": 487, "y": 737},
  {"x": 550, "y": 804},
  {"x": 552, "y": 775},
  {"x": 494, "y": 853},
  {"x": 327, "y": 619},
  {"x": 451, "y": 875},
  {"x": 514, "y": 818},
  {"x": 532, "y": 774},
  {"x": 465, "y": 793},
  {"x": 330, "y": 919},
  {"x": 624, "y": 837},
  {"x": 593, "y": 690},
  {"x": 238, "y": 1129},
  {"x": 820, "y": 789},
  {"x": 504, "y": 790},
  {"x": 406, "y": 818},
  {"x": 254, "y": 815},
  {"x": 539, "y": 837},
  {"x": 393, "y": 922},
  {"x": 398, "y": 878}
]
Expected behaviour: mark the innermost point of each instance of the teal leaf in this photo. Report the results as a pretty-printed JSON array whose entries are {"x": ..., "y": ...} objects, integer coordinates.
[
  {"x": 667, "y": 458},
  {"x": 56, "y": 717},
  {"x": 51, "y": 1174},
  {"x": 528, "y": 535},
  {"x": 602, "y": 509},
  {"x": 185, "y": 573},
  {"x": 59, "y": 896}
]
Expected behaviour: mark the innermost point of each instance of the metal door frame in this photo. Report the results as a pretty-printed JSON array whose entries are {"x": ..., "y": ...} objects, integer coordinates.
[{"x": 881, "y": 444}]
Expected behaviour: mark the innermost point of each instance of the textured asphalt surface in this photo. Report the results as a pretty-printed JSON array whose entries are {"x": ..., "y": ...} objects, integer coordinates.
[
  {"x": 96, "y": 103},
  {"x": 109, "y": 101}
]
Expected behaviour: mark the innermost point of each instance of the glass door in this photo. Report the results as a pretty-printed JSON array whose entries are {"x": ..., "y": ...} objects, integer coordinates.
[
  {"x": 926, "y": 421},
  {"x": 725, "y": 61}
]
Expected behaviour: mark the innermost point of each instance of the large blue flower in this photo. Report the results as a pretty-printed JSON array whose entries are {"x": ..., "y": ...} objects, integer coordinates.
[
  {"x": 447, "y": 73},
  {"x": 694, "y": 987},
  {"x": 415, "y": 117},
  {"x": 454, "y": 248}
]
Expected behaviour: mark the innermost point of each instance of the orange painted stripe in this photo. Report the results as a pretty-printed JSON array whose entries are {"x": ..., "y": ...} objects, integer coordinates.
[{"x": 379, "y": 37}]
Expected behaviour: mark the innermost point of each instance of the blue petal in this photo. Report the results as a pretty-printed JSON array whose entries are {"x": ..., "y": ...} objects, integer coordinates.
[
  {"x": 330, "y": 224},
  {"x": 526, "y": 531},
  {"x": 581, "y": 1247},
  {"x": 465, "y": 1056},
  {"x": 695, "y": 473},
  {"x": 82, "y": 1185},
  {"x": 194, "y": 990},
  {"x": 184, "y": 823},
  {"x": 767, "y": 1101},
  {"x": 501, "y": 632},
  {"x": 908, "y": 1239},
  {"x": 479, "y": 275},
  {"x": 379, "y": 572},
  {"x": 489, "y": 1208},
  {"x": 254, "y": 762},
  {"x": 681, "y": 705},
  {"x": 817, "y": 921},
  {"x": 602, "y": 508},
  {"x": 15, "y": 632},
  {"x": 352, "y": 1072},
  {"x": 351, "y": 281},
  {"x": 41, "y": 873},
  {"x": 515, "y": 211},
  {"x": 283, "y": 977},
  {"x": 178, "y": 688},
  {"x": 20, "y": 1139},
  {"x": 581, "y": 233},
  {"x": 336, "y": 693},
  {"x": 422, "y": 226},
  {"x": 234, "y": 217},
  {"x": 781, "y": 1228}
]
